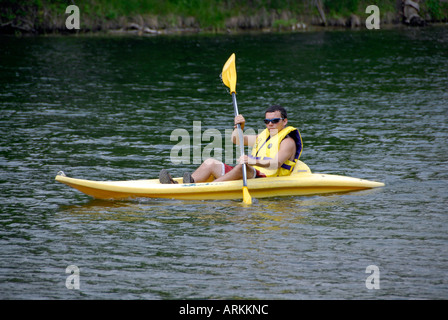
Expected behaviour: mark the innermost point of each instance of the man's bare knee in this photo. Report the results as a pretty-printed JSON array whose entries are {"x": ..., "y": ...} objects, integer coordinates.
[{"x": 211, "y": 162}]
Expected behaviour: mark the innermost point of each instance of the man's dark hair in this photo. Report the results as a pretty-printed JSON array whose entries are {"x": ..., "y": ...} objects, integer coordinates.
[{"x": 277, "y": 107}]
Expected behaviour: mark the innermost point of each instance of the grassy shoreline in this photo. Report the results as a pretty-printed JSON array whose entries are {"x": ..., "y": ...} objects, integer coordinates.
[{"x": 168, "y": 16}]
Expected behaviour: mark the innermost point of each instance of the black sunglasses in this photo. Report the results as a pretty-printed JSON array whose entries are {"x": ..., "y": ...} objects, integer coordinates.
[{"x": 274, "y": 121}]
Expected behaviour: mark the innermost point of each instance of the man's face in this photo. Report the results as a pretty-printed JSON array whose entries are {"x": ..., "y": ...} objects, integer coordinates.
[{"x": 274, "y": 128}]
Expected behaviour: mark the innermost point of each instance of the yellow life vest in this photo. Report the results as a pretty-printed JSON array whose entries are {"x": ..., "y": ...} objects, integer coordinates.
[{"x": 266, "y": 148}]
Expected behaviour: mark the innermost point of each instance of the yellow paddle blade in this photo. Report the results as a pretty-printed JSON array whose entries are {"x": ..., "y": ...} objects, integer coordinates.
[
  {"x": 247, "y": 199},
  {"x": 228, "y": 74}
]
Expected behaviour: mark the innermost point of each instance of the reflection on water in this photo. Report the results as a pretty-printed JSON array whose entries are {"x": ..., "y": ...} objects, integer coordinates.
[{"x": 264, "y": 215}]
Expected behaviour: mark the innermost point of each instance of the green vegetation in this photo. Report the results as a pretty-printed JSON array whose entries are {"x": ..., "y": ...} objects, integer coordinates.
[
  {"x": 437, "y": 9},
  {"x": 42, "y": 16}
]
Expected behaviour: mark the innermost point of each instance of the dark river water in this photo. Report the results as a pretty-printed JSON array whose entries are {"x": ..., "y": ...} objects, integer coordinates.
[{"x": 371, "y": 104}]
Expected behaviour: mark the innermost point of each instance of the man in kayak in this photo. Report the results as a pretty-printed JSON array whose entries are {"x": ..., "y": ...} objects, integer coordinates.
[{"x": 275, "y": 152}]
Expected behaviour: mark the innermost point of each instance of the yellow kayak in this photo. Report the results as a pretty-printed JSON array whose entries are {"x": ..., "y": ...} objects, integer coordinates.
[{"x": 300, "y": 182}]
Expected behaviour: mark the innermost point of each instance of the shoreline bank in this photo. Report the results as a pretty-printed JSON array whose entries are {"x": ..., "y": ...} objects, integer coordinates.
[
  {"x": 139, "y": 26},
  {"x": 35, "y": 20}
]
